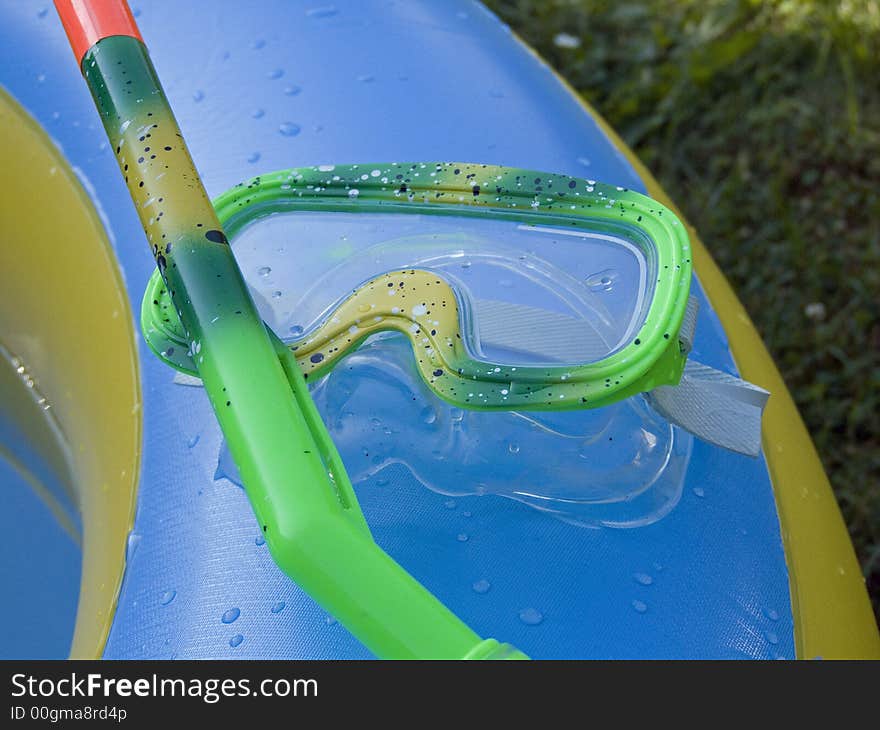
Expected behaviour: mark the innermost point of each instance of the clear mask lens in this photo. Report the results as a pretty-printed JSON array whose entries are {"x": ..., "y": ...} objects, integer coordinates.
[{"x": 528, "y": 294}]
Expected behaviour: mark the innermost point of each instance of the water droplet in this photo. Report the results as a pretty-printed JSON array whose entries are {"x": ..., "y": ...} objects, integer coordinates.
[
  {"x": 531, "y": 616},
  {"x": 276, "y": 73},
  {"x": 278, "y": 607},
  {"x": 429, "y": 415},
  {"x": 585, "y": 161},
  {"x": 131, "y": 545},
  {"x": 513, "y": 448},
  {"x": 699, "y": 491},
  {"x": 481, "y": 586},
  {"x": 276, "y": 295},
  {"x": 230, "y": 615},
  {"x": 292, "y": 90},
  {"x": 253, "y": 157},
  {"x": 167, "y": 597},
  {"x": 643, "y": 579},
  {"x": 41, "y": 13},
  {"x": 771, "y": 614},
  {"x": 462, "y": 537},
  {"x": 258, "y": 113},
  {"x": 640, "y": 606},
  {"x": 264, "y": 270},
  {"x": 353, "y": 193},
  {"x": 330, "y": 621},
  {"x": 602, "y": 280},
  {"x": 289, "y": 129},
  {"x": 236, "y": 640},
  {"x": 193, "y": 441},
  {"x": 771, "y": 637},
  {"x": 296, "y": 330},
  {"x": 381, "y": 482},
  {"x": 198, "y": 95},
  {"x": 449, "y": 504},
  {"x": 366, "y": 79},
  {"x": 326, "y": 11}
]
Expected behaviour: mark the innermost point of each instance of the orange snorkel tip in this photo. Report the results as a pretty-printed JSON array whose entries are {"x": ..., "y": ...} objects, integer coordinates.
[{"x": 88, "y": 22}]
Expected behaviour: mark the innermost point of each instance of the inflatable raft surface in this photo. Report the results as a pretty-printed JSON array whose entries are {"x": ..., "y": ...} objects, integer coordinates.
[{"x": 269, "y": 85}]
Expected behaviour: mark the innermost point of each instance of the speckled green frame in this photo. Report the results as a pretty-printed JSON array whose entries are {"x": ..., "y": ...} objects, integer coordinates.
[{"x": 653, "y": 357}]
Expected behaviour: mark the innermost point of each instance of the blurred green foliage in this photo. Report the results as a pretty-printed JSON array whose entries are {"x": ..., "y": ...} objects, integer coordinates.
[{"x": 762, "y": 121}]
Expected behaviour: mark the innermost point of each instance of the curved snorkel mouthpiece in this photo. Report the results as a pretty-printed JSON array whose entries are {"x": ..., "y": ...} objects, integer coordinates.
[{"x": 292, "y": 473}]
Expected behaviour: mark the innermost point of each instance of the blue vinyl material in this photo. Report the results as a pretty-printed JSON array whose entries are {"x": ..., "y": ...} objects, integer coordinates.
[{"x": 372, "y": 81}]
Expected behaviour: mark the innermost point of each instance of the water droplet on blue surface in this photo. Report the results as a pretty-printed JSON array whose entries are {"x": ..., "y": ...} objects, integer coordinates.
[
  {"x": 259, "y": 540},
  {"x": 296, "y": 330},
  {"x": 193, "y": 441},
  {"x": 258, "y": 113},
  {"x": 513, "y": 448},
  {"x": 131, "y": 546},
  {"x": 326, "y": 11},
  {"x": 289, "y": 129},
  {"x": 462, "y": 537},
  {"x": 771, "y": 614},
  {"x": 699, "y": 491},
  {"x": 236, "y": 640},
  {"x": 643, "y": 579},
  {"x": 429, "y": 415},
  {"x": 229, "y": 616},
  {"x": 481, "y": 586},
  {"x": 167, "y": 597},
  {"x": 531, "y": 616},
  {"x": 264, "y": 270},
  {"x": 276, "y": 73},
  {"x": 198, "y": 95},
  {"x": 449, "y": 504},
  {"x": 640, "y": 606},
  {"x": 278, "y": 607},
  {"x": 292, "y": 90},
  {"x": 771, "y": 637}
]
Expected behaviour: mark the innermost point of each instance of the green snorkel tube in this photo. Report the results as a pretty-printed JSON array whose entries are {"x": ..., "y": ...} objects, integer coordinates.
[{"x": 294, "y": 478}]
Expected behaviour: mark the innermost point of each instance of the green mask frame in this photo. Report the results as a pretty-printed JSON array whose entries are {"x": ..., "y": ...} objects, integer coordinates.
[{"x": 429, "y": 309}]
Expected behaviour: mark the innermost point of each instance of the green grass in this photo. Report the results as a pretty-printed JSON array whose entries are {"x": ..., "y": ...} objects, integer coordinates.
[{"x": 762, "y": 121}]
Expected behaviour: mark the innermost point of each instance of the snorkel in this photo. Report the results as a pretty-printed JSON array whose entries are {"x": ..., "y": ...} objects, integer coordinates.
[{"x": 294, "y": 479}]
